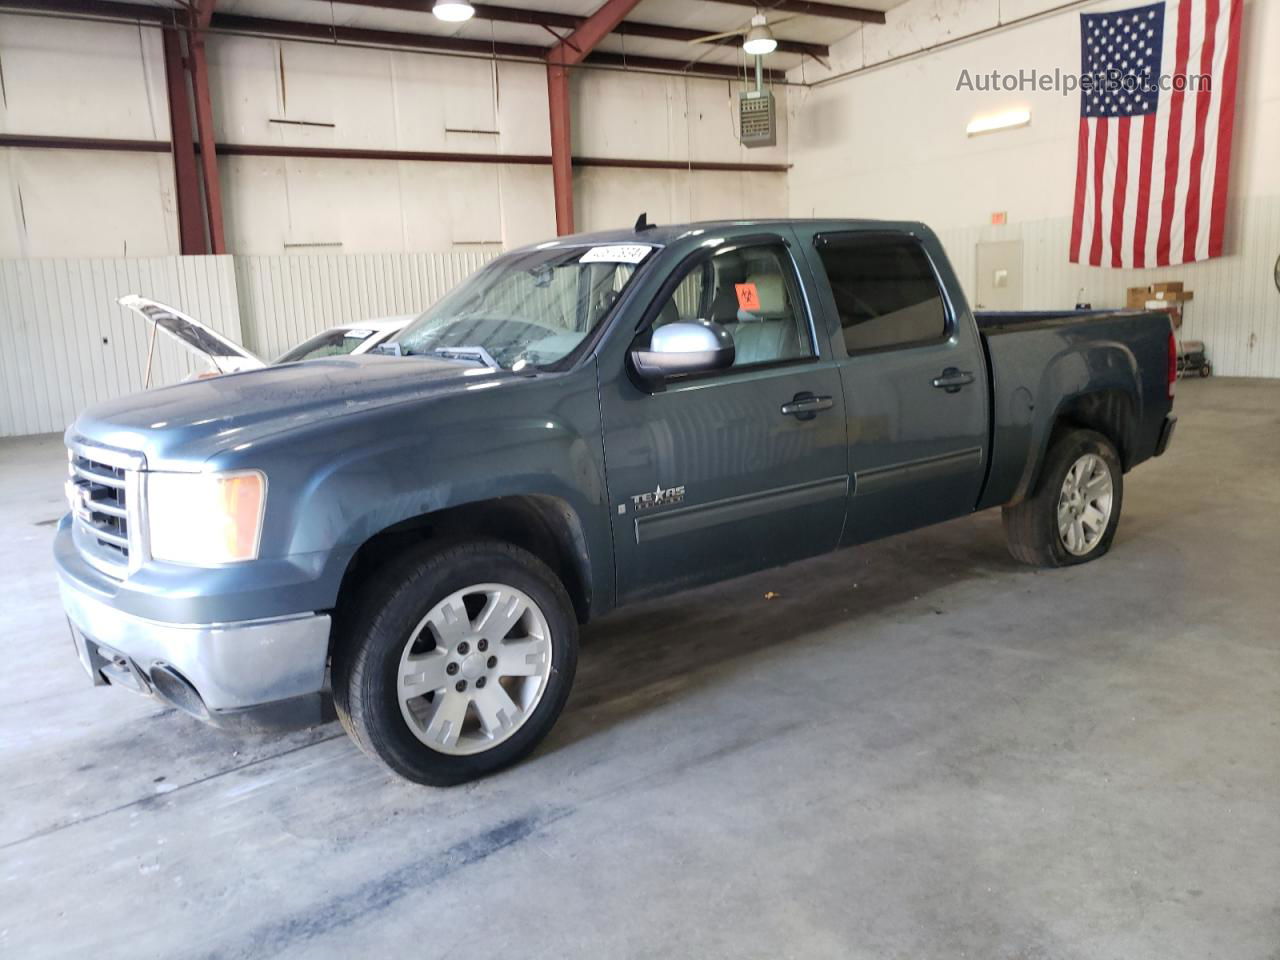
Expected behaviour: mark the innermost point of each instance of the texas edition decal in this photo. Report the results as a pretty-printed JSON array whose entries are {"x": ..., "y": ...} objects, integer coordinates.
[{"x": 658, "y": 497}]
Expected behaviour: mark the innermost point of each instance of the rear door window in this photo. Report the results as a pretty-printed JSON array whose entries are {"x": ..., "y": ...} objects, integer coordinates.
[{"x": 885, "y": 290}]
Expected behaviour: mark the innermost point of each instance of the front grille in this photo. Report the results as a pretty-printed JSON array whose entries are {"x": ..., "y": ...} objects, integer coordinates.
[{"x": 102, "y": 490}]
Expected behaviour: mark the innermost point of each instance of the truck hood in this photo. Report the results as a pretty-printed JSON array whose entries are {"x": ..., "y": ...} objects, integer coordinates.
[
  {"x": 225, "y": 355},
  {"x": 183, "y": 425}
]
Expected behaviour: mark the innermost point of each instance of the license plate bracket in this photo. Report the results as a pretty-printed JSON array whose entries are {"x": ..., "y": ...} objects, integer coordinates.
[{"x": 107, "y": 666}]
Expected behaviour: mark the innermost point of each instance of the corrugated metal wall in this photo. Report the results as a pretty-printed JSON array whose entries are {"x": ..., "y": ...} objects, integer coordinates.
[
  {"x": 1236, "y": 310},
  {"x": 284, "y": 300},
  {"x": 67, "y": 344}
]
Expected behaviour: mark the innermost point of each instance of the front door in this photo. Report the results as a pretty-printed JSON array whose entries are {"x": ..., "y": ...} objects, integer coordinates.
[
  {"x": 721, "y": 474},
  {"x": 915, "y": 386}
]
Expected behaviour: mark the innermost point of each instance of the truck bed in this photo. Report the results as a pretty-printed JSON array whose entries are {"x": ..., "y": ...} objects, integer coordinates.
[
  {"x": 997, "y": 321},
  {"x": 1096, "y": 364}
]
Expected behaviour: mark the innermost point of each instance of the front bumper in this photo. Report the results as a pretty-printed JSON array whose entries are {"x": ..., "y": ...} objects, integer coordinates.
[{"x": 253, "y": 674}]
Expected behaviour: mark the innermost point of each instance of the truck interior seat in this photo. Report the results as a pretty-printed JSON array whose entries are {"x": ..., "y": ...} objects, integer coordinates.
[{"x": 769, "y": 333}]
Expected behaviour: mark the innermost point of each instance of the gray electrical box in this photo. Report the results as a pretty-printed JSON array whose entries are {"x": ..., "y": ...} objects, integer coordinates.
[{"x": 757, "y": 124}]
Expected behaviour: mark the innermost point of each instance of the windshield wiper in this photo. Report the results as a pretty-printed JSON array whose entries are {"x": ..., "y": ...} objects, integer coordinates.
[{"x": 473, "y": 354}]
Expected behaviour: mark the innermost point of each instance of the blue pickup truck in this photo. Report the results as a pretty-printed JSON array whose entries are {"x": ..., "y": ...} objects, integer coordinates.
[{"x": 413, "y": 538}]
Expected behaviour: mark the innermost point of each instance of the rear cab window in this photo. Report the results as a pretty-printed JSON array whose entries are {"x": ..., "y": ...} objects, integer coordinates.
[{"x": 885, "y": 290}]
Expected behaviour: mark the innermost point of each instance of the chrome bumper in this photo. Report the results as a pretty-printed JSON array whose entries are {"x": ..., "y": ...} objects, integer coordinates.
[{"x": 232, "y": 666}]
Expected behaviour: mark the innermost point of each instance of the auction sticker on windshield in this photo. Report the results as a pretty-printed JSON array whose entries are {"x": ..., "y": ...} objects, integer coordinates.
[{"x": 616, "y": 253}]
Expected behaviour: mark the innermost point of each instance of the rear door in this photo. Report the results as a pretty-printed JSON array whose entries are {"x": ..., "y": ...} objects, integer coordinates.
[
  {"x": 914, "y": 380},
  {"x": 717, "y": 475}
]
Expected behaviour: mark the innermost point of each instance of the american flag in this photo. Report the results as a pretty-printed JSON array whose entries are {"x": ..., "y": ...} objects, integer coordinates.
[{"x": 1152, "y": 165}]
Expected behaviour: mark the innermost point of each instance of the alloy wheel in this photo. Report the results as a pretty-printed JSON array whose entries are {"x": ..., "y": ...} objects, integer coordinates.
[
  {"x": 1084, "y": 505},
  {"x": 474, "y": 669}
]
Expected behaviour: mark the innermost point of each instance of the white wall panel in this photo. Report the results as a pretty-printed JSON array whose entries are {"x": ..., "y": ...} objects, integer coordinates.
[
  {"x": 1236, "y": 310},
  {"x": 890, "y": 142},
  {"x": 75, "y": 79},
  {"x": 657, "y": 117},
  {"x": 284, "y": 300},
  {"x": 606, "y": 198},
  {"x": 277, "y": 205},
  {"x": 64, "y": 203},
  {"x": 69, "y": 345}
]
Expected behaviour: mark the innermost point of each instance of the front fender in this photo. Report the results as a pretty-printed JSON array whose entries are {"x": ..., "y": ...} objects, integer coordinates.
[{"x": 333, "y": 487}]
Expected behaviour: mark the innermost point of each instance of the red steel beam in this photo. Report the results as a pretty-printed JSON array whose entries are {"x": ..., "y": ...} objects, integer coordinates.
[
  {"x": 570, "y": 51},
  {"x": 568, "y": 21},
  {"x": 365, "y": 37},
  {"x": 574, "y": 48},
  {"x": 558, "y": 113},
  {"x": 201, "y": 14},
  {"x": 33, "y": 142},
  {"x": 812, "y": 8},
  {"x": 98, "y": 8},
  {"x": 356, "y": 153},
  {"x": 191, "y": 236}
]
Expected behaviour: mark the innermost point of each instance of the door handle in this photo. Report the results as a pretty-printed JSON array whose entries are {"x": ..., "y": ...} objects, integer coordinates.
[
  {"x": 805, "y": 406},
  {"x": 953, "y": 379}
]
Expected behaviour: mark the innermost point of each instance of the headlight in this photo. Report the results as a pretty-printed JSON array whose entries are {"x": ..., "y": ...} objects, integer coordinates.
[{"x": 205, "y": 518}]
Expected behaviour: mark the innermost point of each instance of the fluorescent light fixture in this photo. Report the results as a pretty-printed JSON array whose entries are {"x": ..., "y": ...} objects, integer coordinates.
[
  {"x": 759, "y": 39},
  {"x": 453, "y": 11},
  {"x": 998, "y": 121}
]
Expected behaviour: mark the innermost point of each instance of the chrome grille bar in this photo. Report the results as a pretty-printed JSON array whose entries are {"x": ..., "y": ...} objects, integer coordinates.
[
  {"x": 94, "y": 476},
  {"x": 102, "y": 490}
]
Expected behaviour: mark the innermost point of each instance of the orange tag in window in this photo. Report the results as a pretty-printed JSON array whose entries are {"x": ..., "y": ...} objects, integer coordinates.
[{"x": 748, "y": 296}]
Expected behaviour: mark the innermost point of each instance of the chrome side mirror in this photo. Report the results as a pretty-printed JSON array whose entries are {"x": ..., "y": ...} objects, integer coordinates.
[{"x": 675, "y": 349}]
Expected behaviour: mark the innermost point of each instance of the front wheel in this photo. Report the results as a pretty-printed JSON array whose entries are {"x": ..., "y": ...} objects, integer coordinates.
[
  {"x": 1073, "y": 514},
  {"x": 457, "y": 663}
]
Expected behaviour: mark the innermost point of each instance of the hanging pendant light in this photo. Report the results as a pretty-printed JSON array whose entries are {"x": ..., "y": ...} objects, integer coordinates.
[
  {"x": 759, "y": 39},
  {"x": 453, "y": 11}
]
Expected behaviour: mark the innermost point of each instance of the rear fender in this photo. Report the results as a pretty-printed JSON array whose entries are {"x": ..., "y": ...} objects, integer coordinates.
[{"x": 1097, "y": 385}]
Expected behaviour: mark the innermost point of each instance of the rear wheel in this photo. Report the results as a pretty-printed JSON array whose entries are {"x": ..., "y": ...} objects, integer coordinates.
[
  {"x": 1073, "y": 514},
  {"x": 457, "y": 663}
]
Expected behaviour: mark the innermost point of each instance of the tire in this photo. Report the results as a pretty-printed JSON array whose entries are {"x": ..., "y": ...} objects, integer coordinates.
[
  {"x": 1032, "y": 526},
  {"x": 420, "y": 627},
  {"x": 1204, "y": 370}
]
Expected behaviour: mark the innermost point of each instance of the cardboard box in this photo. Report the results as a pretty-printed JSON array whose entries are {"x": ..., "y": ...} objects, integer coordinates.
[
  {"x": 1137, "y": 298},
  {"x": 1174, "y": 296},
  {"x": 1170, "y": 286}
]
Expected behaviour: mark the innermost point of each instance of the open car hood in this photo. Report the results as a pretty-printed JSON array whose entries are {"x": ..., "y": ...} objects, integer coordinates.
[{"x": 226, "y": 356}]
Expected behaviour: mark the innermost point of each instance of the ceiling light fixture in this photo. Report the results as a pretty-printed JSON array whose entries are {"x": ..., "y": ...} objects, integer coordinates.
[
  {"x": 759, "y": 39},
  {"x": 453, "y": 11},
  {"x": 998, "y": 121}
]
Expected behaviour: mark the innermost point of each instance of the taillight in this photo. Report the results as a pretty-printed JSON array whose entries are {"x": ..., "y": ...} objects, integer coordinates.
[{"x": 1173, "y": 361}]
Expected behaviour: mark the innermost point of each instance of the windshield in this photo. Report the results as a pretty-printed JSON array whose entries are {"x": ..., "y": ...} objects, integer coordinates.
[
  {"x": 331, "y": 343},
  {"x": 526, "y": 310}
]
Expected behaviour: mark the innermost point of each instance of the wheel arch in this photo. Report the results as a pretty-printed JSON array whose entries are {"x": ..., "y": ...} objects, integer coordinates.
[
  {"x": 544, "y": 525},
  {"x": 1110, "y": 412}
]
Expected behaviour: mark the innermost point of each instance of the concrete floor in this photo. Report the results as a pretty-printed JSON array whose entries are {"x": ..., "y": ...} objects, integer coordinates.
[{"x": 918, "y": 749}]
